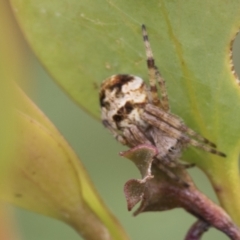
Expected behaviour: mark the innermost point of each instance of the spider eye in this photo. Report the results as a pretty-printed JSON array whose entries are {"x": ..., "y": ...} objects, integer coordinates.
[
  {"x": 105, "y": 104},
  {"x": 128, "y": 107},
  {"x": 102, "y": 97},
  {"x": 172, "y": 149},
  {"x": 117, "y": 118}
]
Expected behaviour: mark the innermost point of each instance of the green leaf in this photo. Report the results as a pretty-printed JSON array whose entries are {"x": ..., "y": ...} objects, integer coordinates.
[
  {"x": 83, "y": 42},
  {"x": 10, "y": 68},
  {"x": 47, "y": 177}
]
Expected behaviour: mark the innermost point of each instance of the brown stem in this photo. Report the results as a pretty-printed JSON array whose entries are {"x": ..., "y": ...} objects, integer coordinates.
[
  {"x": 160, "y": 190},
  {"x": 197, "y": 230},
  {"x": 203, "y": 208}
]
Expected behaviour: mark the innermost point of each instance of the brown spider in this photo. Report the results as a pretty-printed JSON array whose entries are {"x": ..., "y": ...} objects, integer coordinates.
[{"x": 135, "y": 115}]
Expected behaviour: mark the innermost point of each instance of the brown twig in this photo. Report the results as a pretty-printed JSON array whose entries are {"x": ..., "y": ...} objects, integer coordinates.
[
  {"x": 197, "y": 230},
  {"x": 158, "y": 192}
]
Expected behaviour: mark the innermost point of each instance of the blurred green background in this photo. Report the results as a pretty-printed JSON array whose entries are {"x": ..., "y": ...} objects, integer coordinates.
[{"x": 99, "y": 153}]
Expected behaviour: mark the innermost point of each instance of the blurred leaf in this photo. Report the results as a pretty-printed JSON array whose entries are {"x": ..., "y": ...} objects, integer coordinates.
[
  {"x": 9, "y": 69},
  {"x": 7, "y": 228},
  {"x": 82, "y": 42},
  {"x": 48, "y": 178}
]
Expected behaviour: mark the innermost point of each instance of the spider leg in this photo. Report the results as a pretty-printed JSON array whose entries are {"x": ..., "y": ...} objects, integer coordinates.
[
  {"x": 176, "y": 123},
  {"x": 170, "y": 174},
  {"x": 130, "y": 138},
  {"x": 151, "y": 69},
  {"x": 169, "y": 164},
  {"x": 118, "y": 136},
  {"x": 134, "y": 136},
  {"x": 206, "y": 148},
  {"x": 139, "y": 135},
  {"x": 187, "y": 165},
  {"x": 172, "y": 132},
  {"x": 164, "y": 95}
]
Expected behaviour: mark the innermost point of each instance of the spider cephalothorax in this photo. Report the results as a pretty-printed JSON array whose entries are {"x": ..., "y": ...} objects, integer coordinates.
[
  {"x": 122, "y": 99},
  {"x": 135, "y": 115}
]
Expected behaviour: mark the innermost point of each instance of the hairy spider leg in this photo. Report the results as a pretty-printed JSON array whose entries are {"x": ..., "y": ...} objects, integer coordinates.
[
  {"x": 170, "y": 174},
  {"x": 115, "y": 134},
  {"x": 178, "y": 134},
  {"x": 151, "y": 69},
  {"x": 177, "y": 123},
  {"x": 163, "y": 91},
  {"x": 154, "y": 74}
]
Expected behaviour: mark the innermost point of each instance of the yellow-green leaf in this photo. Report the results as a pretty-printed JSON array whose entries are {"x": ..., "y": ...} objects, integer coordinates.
[{"x": 48, "y": 178}]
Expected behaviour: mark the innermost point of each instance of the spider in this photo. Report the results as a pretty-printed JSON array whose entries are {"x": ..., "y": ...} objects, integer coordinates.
[{"x": 135, "y": 115}]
